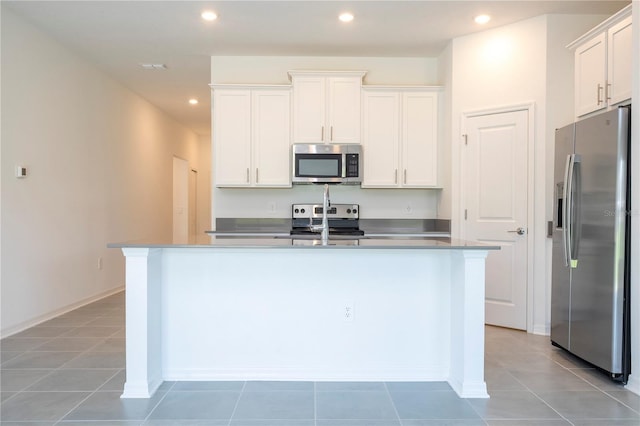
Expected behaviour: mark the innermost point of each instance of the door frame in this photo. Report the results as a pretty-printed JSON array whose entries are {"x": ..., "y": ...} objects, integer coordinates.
[{"x": 529, "y": 107}]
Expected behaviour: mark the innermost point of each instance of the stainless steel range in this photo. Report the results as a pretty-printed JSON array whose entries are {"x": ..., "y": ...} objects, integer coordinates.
[{"x": 343, "y": 219}]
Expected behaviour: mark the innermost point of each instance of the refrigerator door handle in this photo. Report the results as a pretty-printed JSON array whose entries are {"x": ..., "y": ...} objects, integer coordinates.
[
  {"x": 565, "y": 210},
  {"x": 576, "y": 206}
]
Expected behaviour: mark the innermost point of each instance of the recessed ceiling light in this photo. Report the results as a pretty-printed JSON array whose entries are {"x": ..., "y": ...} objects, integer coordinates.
[
  {"x": 346, "y": 17},
  {"x": 482, "y": 19},
  {"x": 209, "y": 15},
  {"x": 193, "y": 101}
]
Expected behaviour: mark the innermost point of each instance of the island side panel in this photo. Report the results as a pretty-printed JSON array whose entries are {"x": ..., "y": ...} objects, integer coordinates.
[
  {"x": 467, "y": 323},
  {"x": 143, "y": 322},
  {"x": 278, "y": 314}
]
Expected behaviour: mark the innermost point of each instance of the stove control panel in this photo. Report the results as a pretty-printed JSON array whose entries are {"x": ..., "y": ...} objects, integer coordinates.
[{"x": 335, "y": 211}]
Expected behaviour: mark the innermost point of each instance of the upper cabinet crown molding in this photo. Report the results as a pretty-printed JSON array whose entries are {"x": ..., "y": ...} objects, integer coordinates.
[
  {"x": 317, "y": 73},
  {"x": 231, "y": 86},
  {"x": 603, "y": 26},
  {"x": 392, "y": 88}
]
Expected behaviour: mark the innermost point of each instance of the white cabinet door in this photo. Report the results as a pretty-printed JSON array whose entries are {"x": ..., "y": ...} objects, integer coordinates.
[
  {"x": 309, "y": 109},
  {"x": 400, "y": 138},
  {"x": 343, "y": 110},
  {"x": 326, "y": 108},
  {"x": 381, "y": 139},
  {"x": 251, "y": 137},
  {"x": 590, "y": 75},
  {"x": 619, "y": 58},
  {"x": 232, "y": 137},
  {"x": 420, "y": 139},
  {"x": 270, "y": 139}
]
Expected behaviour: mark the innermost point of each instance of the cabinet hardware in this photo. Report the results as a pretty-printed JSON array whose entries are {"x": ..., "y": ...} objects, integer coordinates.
[
  {"x": 599, "y": 91},
  {"x": 466, "y": 139},
  {"x": 331, "y": 136},
  {"x": 405, "y": 176},
  {"x": 322, "y": 134},
  {"x": 395, "y": 180},
  {"x": 247, "y": 175},
  {"x": 465, "y": 214},
  {"x": 257, "y": 180},
  {"x": 607, "y": 91}
]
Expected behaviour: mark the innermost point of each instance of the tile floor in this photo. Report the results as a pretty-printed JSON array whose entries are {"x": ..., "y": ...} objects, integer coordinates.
[{"x": 70, "y": 371}]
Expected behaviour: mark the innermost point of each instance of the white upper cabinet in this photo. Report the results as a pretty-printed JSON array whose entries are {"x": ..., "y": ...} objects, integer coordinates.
[
  {"x": 619, "y": 61},
  {"x": 400, "y": 137},
  {"x": 326, "y": 106},
  {"x": 603, "y": 64},
  {"x": 251, "y": 136}
]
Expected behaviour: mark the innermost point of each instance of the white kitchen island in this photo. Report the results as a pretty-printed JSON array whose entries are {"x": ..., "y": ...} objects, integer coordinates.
[{"x": 399, "y": 309}]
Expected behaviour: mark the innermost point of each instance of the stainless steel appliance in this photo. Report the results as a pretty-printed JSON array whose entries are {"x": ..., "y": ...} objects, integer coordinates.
[
  {"x": 327, "y": 163},
  {"x": 343, "y": 219},
  {"x": 591, "y": 242}
]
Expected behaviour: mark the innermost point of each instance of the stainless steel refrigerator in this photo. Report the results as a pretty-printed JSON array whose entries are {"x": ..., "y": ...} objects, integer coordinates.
[{"x": 591, "y": 242}]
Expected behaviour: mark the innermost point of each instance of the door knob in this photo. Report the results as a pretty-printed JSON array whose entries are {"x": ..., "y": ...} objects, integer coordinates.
[{"x": 519, "y": 231}]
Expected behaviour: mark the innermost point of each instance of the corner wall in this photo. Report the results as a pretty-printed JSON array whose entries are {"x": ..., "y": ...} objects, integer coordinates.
[
  {"x": 99, "y": 162},
  {"x": 512, "y": 65}
]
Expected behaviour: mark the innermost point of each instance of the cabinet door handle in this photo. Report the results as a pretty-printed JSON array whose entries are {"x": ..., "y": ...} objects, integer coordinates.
[
  {"x": 395, "y": 180},
  {"x": 331, "y": 137},
  {"x": 405, "y": 176},
  {"x": 257, "y": 180},
  {"x": 247, "y": 175},
  {"x": 322, "y": 134},
  {"x": 607, "y": 90},
  {"x": 599, "y": 91}
]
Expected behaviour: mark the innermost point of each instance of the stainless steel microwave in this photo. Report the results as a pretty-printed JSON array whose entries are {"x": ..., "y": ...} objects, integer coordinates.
[{"x": 327, "y": 163}]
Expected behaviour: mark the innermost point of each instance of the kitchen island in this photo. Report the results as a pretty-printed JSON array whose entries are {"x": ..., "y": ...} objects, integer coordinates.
[{"x": 282, "y": 308}]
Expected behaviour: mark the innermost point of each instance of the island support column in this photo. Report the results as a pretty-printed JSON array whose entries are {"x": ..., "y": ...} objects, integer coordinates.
[
  {"x": 143, "y": 322},
  {"x": 467, "y": 323}
]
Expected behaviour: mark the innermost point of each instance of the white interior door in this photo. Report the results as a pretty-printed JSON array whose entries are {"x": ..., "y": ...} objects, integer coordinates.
[
  {"x": 495, "y": 203},
  {"x": 180, "y": 201}
]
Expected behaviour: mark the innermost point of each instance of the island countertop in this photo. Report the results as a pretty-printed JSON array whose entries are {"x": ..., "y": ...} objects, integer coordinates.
[{"x": 269, "y": 241}]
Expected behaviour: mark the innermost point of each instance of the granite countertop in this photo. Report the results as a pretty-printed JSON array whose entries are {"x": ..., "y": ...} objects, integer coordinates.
[{"x": 282, "y": 241}]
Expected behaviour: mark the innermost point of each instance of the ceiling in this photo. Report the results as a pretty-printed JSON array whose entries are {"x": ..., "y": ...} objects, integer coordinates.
[{"x": 118, "y": 36}]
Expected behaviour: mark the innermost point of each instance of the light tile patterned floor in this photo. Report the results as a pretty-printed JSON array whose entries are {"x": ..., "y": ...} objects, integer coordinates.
[{"x": 70, "y": 371}]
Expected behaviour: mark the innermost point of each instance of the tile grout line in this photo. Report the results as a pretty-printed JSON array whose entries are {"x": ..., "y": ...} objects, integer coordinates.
[
  {"x": 235, "y": 407},
  {"x": 540, "y": 398},
  {"x": 596, "y": 387},
  {"x": 146, "y": 418},
  {"x": 395, "y": 410}
]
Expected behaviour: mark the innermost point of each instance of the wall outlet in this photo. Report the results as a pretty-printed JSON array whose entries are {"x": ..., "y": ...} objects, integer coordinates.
[{"x": 348, "y": 312}]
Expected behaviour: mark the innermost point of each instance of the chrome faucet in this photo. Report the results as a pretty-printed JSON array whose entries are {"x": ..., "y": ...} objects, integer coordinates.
[{"x": 324, "y": 227}]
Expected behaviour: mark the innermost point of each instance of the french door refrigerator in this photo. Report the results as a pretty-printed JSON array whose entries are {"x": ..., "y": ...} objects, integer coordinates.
[{"x": 591, "y": 242}]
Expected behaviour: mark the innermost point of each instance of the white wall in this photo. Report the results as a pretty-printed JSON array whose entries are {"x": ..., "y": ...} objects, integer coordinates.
[
  {"x": 445, "y": 76},
  {"x": 99, "y": 162},
  {"x": 231, "y": 202},
  {"x": 516, "y": 64}
]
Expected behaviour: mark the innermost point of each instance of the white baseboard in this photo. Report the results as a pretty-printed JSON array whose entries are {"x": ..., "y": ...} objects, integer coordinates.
[
  {"x": 6, "y": 332},
  {"x": 541, "y": 330},
  {"x": 633, "y": 384},
  {"x": 434, "y": 374}
]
